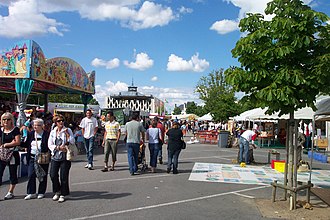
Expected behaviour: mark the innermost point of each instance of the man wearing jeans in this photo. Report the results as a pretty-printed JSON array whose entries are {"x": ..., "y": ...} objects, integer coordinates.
[
  {"x": 89, "y": 127},
  {"x": 134, "y": 130},
  {"x": 245, "y": 139}
]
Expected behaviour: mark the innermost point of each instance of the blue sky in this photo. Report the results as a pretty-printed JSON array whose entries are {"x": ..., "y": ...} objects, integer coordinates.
[{"x": 166, "y": 46}]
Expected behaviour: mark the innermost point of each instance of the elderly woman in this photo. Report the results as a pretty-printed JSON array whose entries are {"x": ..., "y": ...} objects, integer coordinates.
[
  {"x": 59, "y": 137},
  {"x": 36, "y": 143},
  {"x": 10, "y": 138},
  {"x": 175, "y": 137}
]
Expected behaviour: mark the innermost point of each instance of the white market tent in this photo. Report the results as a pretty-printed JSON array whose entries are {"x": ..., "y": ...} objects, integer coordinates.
[
  {"x": 259, "y": 114},
  {"x": 207, "y": 117}
]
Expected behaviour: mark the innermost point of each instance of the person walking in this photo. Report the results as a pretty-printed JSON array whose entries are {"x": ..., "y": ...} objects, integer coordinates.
[
  {"x": 175, "y": 138},
  {"x": 160, "y": 147},
  {"x": 110, "y": 140},
  {"x": 10, "y": 138},
  {"x": 59, "y": 137},
  {"x": 154, "y": 135},
  {"x": 89, "y": 127},
  {"x": 134, "y": 132},
  {"x": 36, "y": 143}
]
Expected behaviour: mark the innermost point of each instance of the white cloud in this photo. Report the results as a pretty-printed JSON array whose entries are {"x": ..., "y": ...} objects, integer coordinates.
[
  {"x": 174, "y": 96},
  {"x": 225, "y": 26},
  {"x": 142, "y": 62},
  {"x": 111, "y": 64},
  {"x": 185, "y": 10},
  {"x": 25, "y": 20},
  {"x": 154, "y": 78},
  {"x": 29, "y": 17},
  {"x": 195, "y": 64}
]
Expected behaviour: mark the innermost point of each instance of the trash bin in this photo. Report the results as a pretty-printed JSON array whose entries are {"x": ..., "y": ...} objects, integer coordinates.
[{"x": 223, "y": 139}]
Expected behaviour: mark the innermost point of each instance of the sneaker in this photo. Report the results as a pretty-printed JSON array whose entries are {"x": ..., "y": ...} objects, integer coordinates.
[
  {"x": 168, "y": 170},
  {"x": 160, "y": 161},
  {"x": 40, "y": 196},
  {"x": 56, "y": 197},
  {"x": 9, "y": 195},
  {"x": 86, "y": 166},
  {"x": 30, "y": 196},
  {"x": 105, "y": 169},
  {"x": 90, "y": 167},
  {"x": 61, "y": 199}
]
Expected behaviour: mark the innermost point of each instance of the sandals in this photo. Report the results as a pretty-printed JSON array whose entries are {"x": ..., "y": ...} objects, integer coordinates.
[
  {"x": 105, "y": 169},
  {"x": 111, "y": 168}
]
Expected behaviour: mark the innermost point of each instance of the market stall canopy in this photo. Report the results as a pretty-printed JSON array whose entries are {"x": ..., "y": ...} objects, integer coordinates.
[
  {"x": 259, "y": 114},
  {"x": 207, "y": 117},
  {"x": 26, "y": 60},
  {"x": 323, "y": 110},
  {"x": 185, "y": 117}
]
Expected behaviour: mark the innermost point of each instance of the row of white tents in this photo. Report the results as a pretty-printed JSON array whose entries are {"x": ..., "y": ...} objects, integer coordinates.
[{"x": 323, "y": 106}]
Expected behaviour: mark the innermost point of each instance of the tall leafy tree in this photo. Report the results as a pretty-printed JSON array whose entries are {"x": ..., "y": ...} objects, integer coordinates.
[
  {"x": 218, "y": 95},
  {"x": 284, "y": 62},
  {"x": 176, "y": 110}
]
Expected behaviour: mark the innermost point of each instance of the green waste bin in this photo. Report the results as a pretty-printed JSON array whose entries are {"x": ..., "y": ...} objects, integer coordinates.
[{"x": 223, "y": 139}]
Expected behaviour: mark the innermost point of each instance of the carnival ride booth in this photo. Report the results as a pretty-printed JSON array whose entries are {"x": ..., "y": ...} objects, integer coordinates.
[{"x": 24, "y": 69}]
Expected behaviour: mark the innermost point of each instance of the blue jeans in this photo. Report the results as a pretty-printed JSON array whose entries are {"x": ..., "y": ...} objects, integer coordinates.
[
  {"x": 160, "y": 151},
  {"x": 132, "y": 156},
  {"x": 243, "y": 148},
  {"x": 154, "y": 150},
  {"x": 173, "y": 158},
  {"x": 32, "y": 183},
  {"x": 89, "y": 146}
]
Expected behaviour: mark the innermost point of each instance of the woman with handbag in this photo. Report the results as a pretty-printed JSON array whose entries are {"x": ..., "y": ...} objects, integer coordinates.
[
  {"x": 38, "y": 157},
  {"x": 154, "y": 135},
  {"x": 10, "y": 138},
  {"x": 175, "y": 137},
  {"x": 60, "y": 137}
]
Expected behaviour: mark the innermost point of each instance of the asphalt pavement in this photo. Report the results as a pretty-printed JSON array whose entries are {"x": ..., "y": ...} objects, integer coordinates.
[{"x": 118, "y": 195}]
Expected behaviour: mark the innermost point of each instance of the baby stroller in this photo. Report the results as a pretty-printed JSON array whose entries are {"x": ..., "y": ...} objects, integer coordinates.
[{"x": 142, "y": 163}]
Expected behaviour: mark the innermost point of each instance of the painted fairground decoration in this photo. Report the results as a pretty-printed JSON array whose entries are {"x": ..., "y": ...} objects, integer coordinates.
[
  {"x": 68, "y": 73},
  {"x": 27, "y": 60},
  {"x": 14, "y": 61}
]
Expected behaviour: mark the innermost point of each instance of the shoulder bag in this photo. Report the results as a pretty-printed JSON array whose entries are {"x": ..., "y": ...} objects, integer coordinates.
[
  {"x": 42, "y": 157},
  {"x": 5, "y": 153},
  {"x": 71, "y": 149},
  {"x": 183, "y": 146}
]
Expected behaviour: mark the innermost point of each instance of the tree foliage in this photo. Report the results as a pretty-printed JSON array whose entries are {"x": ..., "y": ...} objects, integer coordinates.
[
  {"x": 69, "y": 98},
  {"x": 285, "y": 61},
  {"x": 192, "y": 108},
  {"x": 176, "y": 110},
  {"x": 218, "y": 95}
]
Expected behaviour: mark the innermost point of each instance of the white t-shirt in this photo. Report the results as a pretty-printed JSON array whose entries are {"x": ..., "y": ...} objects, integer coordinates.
[
  {"x": 248, "y": 135},
  {"x": 89, "y": 124},
  {"x": 154, "y": 135}
]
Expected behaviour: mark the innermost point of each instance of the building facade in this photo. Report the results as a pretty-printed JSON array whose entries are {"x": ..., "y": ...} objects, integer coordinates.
[{"x": 132, "y": 100}]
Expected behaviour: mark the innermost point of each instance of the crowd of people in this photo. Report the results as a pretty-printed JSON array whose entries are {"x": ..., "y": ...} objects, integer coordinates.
[{"x": 47, "y": 137}]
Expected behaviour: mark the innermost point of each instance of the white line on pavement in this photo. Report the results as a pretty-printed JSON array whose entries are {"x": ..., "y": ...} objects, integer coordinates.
[
  {"x": 246, "y": 196},
  {"x": 168, "y": 204}
]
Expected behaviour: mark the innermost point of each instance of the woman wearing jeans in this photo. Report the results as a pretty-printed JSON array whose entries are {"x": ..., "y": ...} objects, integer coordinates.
[
  {"x": 154, "y": 135},
  {"x": 36, "y": 143},
  {"x": 175, "y": 137},
  {"x": 58, "y": 138}
]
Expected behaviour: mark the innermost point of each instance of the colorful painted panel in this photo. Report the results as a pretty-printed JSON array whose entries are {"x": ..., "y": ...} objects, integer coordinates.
[
  {"x": 38, "y": 62},
  {"x": 261, "y": 175},
  {"x": 14, "y": 62},
  {"x": 66, "y": 72}
]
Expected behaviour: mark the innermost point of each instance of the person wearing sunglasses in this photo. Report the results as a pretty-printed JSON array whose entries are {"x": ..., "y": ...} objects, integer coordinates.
[
  {"x": 59, "y": 137},
  {"x": 10, "y": 138}
]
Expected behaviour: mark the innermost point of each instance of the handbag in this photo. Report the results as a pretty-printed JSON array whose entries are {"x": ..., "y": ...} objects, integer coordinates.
[
  {"x": 42, "y": 157},
  {"x": 71, "y": 151},
  {"x": 5, "y": 153},
  {"x": 183, "y": 146}
]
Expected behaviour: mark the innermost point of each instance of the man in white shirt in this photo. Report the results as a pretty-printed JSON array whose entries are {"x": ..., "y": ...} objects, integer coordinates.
[
  {"x": 245, "y": 139},
  {"x": 89, "y": 127}
]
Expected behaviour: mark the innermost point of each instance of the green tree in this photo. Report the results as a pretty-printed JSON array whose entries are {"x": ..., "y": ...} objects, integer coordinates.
[
  {"x": 218, "y": 95},
  {"x": 284, "y": 62},
  {"x": 69, "y": 98},
  {"x": 176, "y": 110},
  {"x": 191, "y": 108}
]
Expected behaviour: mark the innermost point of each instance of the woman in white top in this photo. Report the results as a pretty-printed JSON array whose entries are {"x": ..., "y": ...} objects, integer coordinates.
[
  {"x": 154, "y": 135},
  {"x": 59, "y": 137}
]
